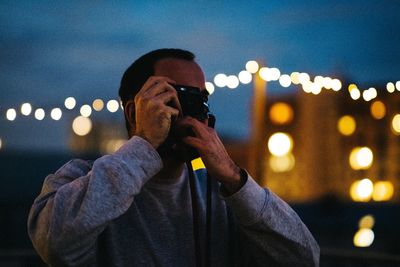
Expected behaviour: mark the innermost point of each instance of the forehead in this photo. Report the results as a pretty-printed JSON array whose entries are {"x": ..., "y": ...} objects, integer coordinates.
[{"x": 182, "y": 71}]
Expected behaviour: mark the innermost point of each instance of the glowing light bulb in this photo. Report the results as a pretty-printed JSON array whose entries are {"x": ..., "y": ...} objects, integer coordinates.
[
  {"x": 336, "y": 85},
  {"x": 85, "y": 110},
  {"x": 56, "y": 114},
  {"x": 275, "y": 74},
  {"x": 361, "y": 158},
  {"x": 70, "y": 102},
  {"x": 210, "y": 88},
  {"x": 346, "y": 125},
  {"x": 98, "y": 104},
  {"x": 280, "y": 144},
  {"x": 39, "y": 114},
  {"x": 81, "y": 125},
  {"x": 233, "y": 82},
  {"x": 294, "y": 77},
  {"x": 396, "y": 124},
  {"x": 281, "y": 113},
  {"x": 11, "y": 114},
  {"x": 245, "y": 77},
  {"x": 363, "y": 238},
  {"x": 220, "y": 80},
  {"x": 26, "y": 109},
  {"x": 112, "y": 105},
  {"x": 304, "y": 78},
  {"x": 355, "y": 94},
  {"x": 252, "y": 66},
  {"x": 361, "y": 190},
  {"x": 285, "y": 80},
  {"x": 366, "y": 221},
  {"x": 378, "y": 110},
  {"x": 390, "y": 87},
  {"x": 383, "y": 191}
]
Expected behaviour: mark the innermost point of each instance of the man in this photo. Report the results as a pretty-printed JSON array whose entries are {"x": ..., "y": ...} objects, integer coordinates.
[{"x": 134, "y": 207}]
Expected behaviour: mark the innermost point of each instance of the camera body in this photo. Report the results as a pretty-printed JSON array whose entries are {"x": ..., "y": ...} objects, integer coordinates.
[{"x": 193, "y": 101}]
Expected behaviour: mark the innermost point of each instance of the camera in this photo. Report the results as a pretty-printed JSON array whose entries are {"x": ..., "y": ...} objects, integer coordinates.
[{"x": 193, "y": 101}]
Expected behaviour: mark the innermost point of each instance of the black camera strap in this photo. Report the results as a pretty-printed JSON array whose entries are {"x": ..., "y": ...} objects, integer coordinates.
[{"x": 202, "y": 259}]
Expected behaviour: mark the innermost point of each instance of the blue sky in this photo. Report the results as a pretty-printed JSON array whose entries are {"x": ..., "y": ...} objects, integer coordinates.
[{"x": 50, "y": 50}]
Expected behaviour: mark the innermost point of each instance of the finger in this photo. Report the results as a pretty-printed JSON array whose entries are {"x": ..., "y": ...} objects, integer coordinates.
[
  {"x": 193, "y": 142},
  {"x": 154, "y": 80},
  {"x": 199, "y": 128},
  {"x": 169, "y": 97},
  {"x": 158, "y": 88}
]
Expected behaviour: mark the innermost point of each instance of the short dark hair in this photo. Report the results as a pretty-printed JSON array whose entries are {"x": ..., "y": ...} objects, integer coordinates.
[{"x": 140, "y": 70}]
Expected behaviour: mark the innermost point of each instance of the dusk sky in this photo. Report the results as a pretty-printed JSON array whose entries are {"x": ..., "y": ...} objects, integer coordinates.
[{"x": 50, "y": 50}]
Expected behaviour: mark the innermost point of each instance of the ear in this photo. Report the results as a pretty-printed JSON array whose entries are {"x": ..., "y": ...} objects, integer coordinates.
[{"x": 129, "y": 112}]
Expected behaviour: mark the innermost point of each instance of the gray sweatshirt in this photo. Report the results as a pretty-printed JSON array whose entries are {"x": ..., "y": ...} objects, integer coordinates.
[{"x": 111, "y": 213}]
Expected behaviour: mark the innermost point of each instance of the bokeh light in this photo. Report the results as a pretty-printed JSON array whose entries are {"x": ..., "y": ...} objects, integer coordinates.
[
  {"x": 252, "y": 66},
  {"x": 378, "y": 110},
  {"x": 361, "y": 190},
  {"x": 361, "y": 158},
  {"x": 232, "y": 82},
  {"x": 346, "y": 125},
  {"x": 112, "y": 105},
  {"x": 281, "y": 113},
  {"x": 85, "y": 110},
  {"x": 336, "y": 84},
  {"x": 363, "y": 238},
  {"x": 383, "y": 191},
  {"x": 11, "y": 114},
  {"x": 220, "y": 80},
  {"x": 70, "y": 102},
  {"x": 26, "y": 109},
  {"x": 285, "y": 80},
  {"x": 39, "y": 114},
  {"x": 210, "y": 88},
  {"x": 367, "y": 221},
  {"x": 81, "y": 125},
  {"x": 283, "y": 163},
  {"x": 396, "y": 124},
  {"x": 390, "y": 87},
  {"x": 56, "y": 114},
  {"x": 245, "y": 77},
  {"x": 98, "y": 104},
  {"x": 280, "y": 144}
]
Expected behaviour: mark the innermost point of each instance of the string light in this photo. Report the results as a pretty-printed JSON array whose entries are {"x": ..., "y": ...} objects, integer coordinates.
[
  {"x": 232, "y": 81},
  {"x": 210, "y": 88},
  {"x": 112, "y": 105},
  {"x": 85, "y": 111},
  {"x": 26, "y": 109},
  {"x": 252, "y": 66},
  {"x": 220, "y": 80},
  {"x": 98, "y": 104},
  {"x": 11, "y": 114},
  {"x": 70, "y": 102},
  {"x": 56, "y": 114},
  {"x": 39, "y": 114},
  {"x": 245, "y": 77}
]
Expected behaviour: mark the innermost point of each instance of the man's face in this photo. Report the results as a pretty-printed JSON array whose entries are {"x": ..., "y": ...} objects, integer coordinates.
[{"x": 183, "y": 72}]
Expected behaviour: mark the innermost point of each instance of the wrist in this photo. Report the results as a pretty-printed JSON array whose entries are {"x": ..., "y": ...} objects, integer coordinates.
[{"x": 236, "y": 183}]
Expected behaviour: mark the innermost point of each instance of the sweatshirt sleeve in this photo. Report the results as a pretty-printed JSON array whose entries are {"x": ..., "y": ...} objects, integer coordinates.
[
  {"x": 269, "y": 230},
  {"x": 78, "y": 201}
]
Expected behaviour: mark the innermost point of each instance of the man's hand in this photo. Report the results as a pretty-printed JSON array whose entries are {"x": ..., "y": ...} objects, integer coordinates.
[
  {"x": 213, "y": 153},
  {"x": 156, "y": 104}
]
